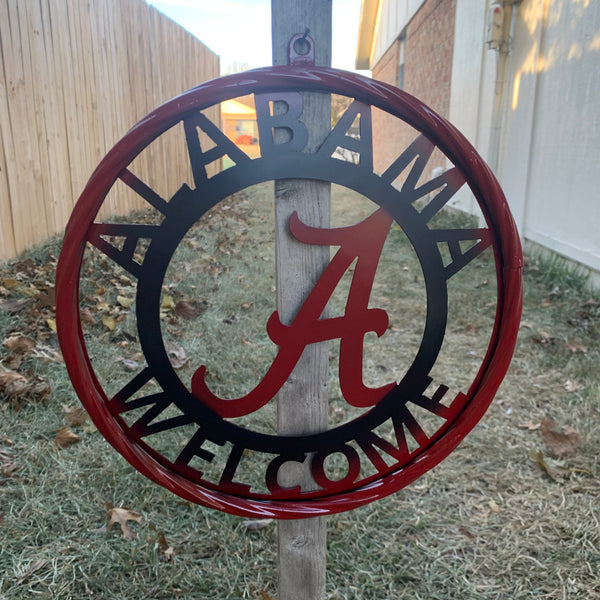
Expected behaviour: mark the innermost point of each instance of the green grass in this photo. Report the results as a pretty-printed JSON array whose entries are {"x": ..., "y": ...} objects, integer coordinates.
[
  {"x": 486, "y": 523},
  {"x": 555, "y": 272}
]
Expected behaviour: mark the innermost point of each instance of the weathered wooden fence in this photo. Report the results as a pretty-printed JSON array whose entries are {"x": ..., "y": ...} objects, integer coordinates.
[{"x": 75, "y": 75}]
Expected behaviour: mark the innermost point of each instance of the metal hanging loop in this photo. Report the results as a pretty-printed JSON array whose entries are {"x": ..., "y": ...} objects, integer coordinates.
[{"x": 301, "y": 50}]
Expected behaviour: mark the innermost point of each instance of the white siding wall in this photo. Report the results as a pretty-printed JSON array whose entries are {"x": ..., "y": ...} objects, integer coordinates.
[
  {"x": 472, "y": 84},
  {"x": 550, "y": 143},
  {"x": 561, "y": 91}
]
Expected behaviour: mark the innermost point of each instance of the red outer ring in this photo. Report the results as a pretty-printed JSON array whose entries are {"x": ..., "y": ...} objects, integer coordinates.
[{"x": 483, "y": 184}]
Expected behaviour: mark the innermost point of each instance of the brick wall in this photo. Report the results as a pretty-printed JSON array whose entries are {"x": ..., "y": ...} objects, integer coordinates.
[
  {"x": 385, "y": 127},
  {"x": 427, "y": 73}
]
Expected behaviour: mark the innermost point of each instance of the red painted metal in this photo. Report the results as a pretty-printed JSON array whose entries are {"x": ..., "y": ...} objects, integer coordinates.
[
  {"x": 364, "y": 242},
  {"x": 340, "y": 496}
]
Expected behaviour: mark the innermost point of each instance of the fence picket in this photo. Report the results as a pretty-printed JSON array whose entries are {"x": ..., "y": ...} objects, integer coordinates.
[{"x": 74, "y": 77}]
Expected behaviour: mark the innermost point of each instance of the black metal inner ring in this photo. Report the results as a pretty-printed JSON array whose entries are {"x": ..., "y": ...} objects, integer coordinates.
[{"x": 187, "y": 206}]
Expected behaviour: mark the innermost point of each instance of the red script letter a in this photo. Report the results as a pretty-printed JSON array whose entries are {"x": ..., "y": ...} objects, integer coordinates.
[{"x": 363, "y": 242}]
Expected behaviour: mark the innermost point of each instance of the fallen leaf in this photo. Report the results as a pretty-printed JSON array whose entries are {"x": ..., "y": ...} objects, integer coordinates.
[
  {"x": 15, "y": 305},
  {"x": 8, "y": 465},
  {"x": 20, "y": 389},
  {"x": 13, "y": 362},
  {"x": 48, "y": 354},
  {"x": 9, "y": 470},
  {"x": 161, "y": 542},
  {"x": 559, "y": 443},
  {"x": 20, "y": 344},
  {"x": 65, "y": 438},
  {"x": 257, "y": 524},
  {"x": 87, "y": 317},
  {"x": 167, "y": 550},
  {"x": 543, "y": 337},
  {"x": 185, "y": 310},
  {"x": 530, "y": 426},
  {"x": 29, "y": 291},
  {"x": 38, "y": 390},
  {"x": 75, "y": 416},
  {"x": 265, "y": 596},
  {"x": 10, "y": 283},
  {"x": 109, "y": 322},
  {"x": 167, "y": 302},
  {"x": 129, "y": 364},
  {"x": 571, "y": 386},
  {"x": 51, "y": 324},
  {"x": 178, "y": 357},
  {"x": 125, "y": 302},
  {"x": 25, "y": 267},
  {"x": 554, "y": 468},
  {"x": 223, "y": 247},
  {"x": 537, "y": 456},
  {"x": 574, "y": 348},
  {"x": 89, "y": 427},
  {"x": 121, "y": 516},
  {"x": 12, "y": 383},
  {"x": 214, "y": 270},
  {"x": 46, "y": 298}
]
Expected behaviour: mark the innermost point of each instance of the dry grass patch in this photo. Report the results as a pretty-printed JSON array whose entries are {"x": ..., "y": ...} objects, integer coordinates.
[{"x": 511, "y": 514}]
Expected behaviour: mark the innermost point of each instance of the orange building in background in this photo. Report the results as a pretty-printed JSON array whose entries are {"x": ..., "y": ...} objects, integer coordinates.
[{"x": 238, "y": 118}]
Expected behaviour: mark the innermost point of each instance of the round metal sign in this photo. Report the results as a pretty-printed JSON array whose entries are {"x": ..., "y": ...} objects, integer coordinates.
[{"x": 192, "y": 439}]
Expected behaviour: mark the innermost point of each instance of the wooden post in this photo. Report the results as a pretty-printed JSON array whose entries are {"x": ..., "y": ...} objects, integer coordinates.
[{"x": 302, "y": 402}]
